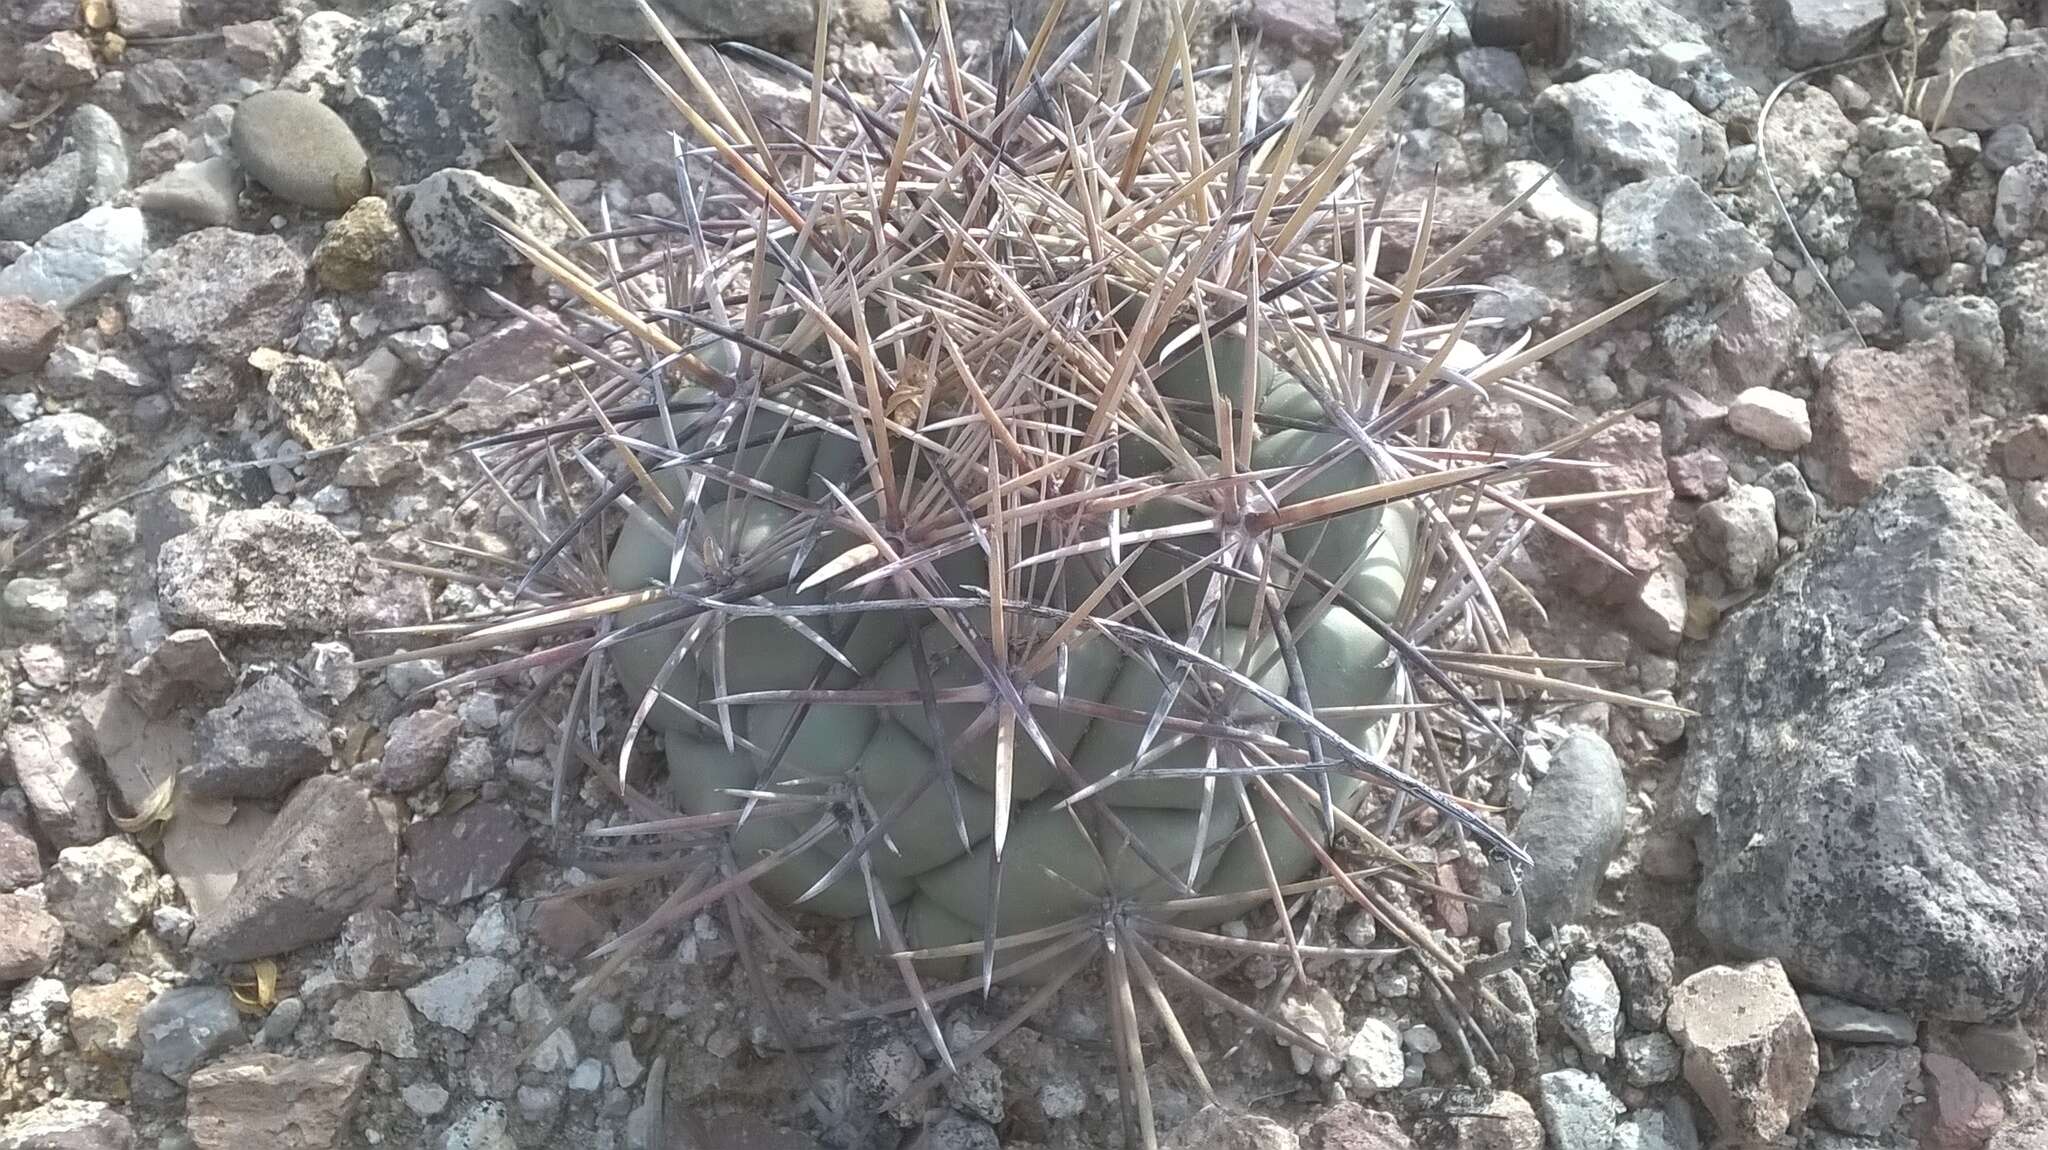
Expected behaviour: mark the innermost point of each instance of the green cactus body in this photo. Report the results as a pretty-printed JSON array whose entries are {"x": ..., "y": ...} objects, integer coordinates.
[{"x": 1051, "y": 872}]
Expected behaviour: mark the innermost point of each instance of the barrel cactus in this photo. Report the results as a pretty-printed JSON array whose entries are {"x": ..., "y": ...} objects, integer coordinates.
[{"x": 1026, "y": 516}]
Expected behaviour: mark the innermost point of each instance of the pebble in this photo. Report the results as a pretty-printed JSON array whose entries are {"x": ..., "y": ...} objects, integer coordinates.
[
  {"x": 457, "y": 856},
  {"x": 183, "y": 1028},
  {"x": 299, "y": 149},
  {"x": 1795, "y": 502},
  {"x": 1373, "y": 1060},
  {"x": 217, "y": 291},
  {"x": 51, "y": 771},
  {"x": 318, "y": 408},
  {"x": 1772, "y": 418},
  {"x": 1749, "y": 1053},
  {"x": 425, "y": 1099},
  {"x": 59, "y": 61},
  {"x": 101, "y": 892},
  {"x": 1866, "y": 1089},
  {"x": 448, "y": 224},
  {"x": 1668, "y": 229},
  {"x": 359, "y": 248},
  {"x": 259, "y": 744},
  {"x": 78, "y": 260},
  {"x": 1572, "y": 826},
  {"x": 1649, "y": 1059},
  {"x": 417, "y": 750},
  {"x": 106, "y": 1021},
  {"x": 29, "y": 331},
  {"x": 376, "y": 1020},
  {"x": 1739, "y": 534}
]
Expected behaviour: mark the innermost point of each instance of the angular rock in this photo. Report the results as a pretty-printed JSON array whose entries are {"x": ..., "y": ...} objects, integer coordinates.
[
  {"x": 2002, "y": 89},
  {"x": 1772, "y": 418},
  {"x": 448, "y": 224},
  {"x": 1839, "y": 1021},
  {"x": 21, "y": 863},
  {"x": 43, "y": 197},
  {"x": 357, "y": 249},
  {"x": 259, "y": 744},
  {"x": 101, "y": 892},
  {"x": 218, "y": 291},
  {"x": 1998, "y": 1048},
  {"x": 1618, "y": 127},
  {"x": 445, "y": 84},
  {"x": 1670, "y": 1128},
  {"x": 46, "y": 763},
  {"x": 1632, "y": 530},
  {"x": 30, "y": 937},
  {"x": 458, "y": 998},
  {"x": 418, "y": 750},
  {"x": 317, "y": 407},
  {"x": 1640, "y": 956},
  {"x": 299, "y": 149},
  {"x": 67, "y": 1124},
  {"x": 376, "y": 1020},
  {"x": 1824, "y": 31},
  {"x": 332, "y": 852},
  {"x": 1668, "y": 229},
  {"x": 1897, "y": 176},
  {"x": 1500, "y": 1120},
  {"x": 2023, "y": 450},
  {"x": 1349, "y": 1126},
  {"x": 48, "y": 462},
  {"x": 186, "y": 667},
  {"x": 1967, "y": 1110},
  {"x": 1212, "y": 1128},
  {"x": 28, "y": 333},
  {"x": 454, "y": 857},
  {"x": 1748, "y": 1052},
  {"x": 205, "y": 192},
  {"x": 1590, "y": 1011},
  {"x": 1578, "y": 1110},
  {"x": 1756, "y": 337},
  {"x": 1650, "y": 1059},
  {"x": 59, "y": 61},
  {"x": 1572, "y": 827},
  {"x": 1806, "y": 138},
  {"x": 1373, "y": 1060},
  {"x": 184, "y": 1027},
  {"x": 274, "y": 1100},
  {"x": 373, "y": 953},
  {"x": 1971, "y": 320},
  {"x": 1911, "y": 754},
  {"x": 1876, "y": 409},
  {"x": 1867, "y": 1088},
  {"x": 106, "y": 1021},
  {"x": 258, "y": 572},
  {"x": 1739, "y": 534},
  {"x": 78, "y": 260}
]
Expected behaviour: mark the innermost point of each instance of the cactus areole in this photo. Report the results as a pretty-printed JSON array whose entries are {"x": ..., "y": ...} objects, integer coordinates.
[{"x": 1128, "y": 727}]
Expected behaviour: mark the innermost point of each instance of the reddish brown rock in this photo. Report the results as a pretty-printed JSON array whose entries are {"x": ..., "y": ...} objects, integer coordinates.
[
  {"x": 28, "y": 331},
  {"x": 2023, "y": 451},
  {"x": 458, "y": 856},
  {"x": 1876, "y": 409},
  {"x": 272, "y": 1100},
  {"x": 1966, "y": 1110},
  {"x": 1698, "y": 475},
  {"x": 30, "y": 937},
  {"x": 1630, "y": 529}
]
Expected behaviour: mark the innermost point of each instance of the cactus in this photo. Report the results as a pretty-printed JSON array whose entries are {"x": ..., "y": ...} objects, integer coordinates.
[{"x": 1029, "y": 525}]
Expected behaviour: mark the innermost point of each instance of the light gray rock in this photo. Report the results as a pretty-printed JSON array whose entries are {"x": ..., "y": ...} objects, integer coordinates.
[
  {"x": 259, "y": 744},
  {"x": 1667, "y": 229},
  {"x": 101, "y": 892},
  {"x": 1617, "y": 127},
  {"x": 184, "y": 1027},
  {"x": 1572, "y": 826},
  {"x": 50, "y": 460},
  {"x": 149, "y": 17},
  {"x": 77, "y": 260},
  {"x": 1898, "y": 175},
  {"x": 1578, "y": 1110},
  {"x": 67, "y": 1124},
  {"x": 104, "y": 147},
  {"x": 1795, "y": 501},
  {"x": 264, "y": 571},
  {"x": 1640, "y": 956},
  {"x": 205, "y": 192},
  {"x": 1649, "y": 1059},
  {"x": 376, "y": 1020},
  {"x": 1670, "y": 1128},
  {"x": 1739, "y": 534},
  {"x": 1916, "y": 739},
  {"x": 1805, "y": 139},
  {"x": 1970, "y": 320},
  {"x": 217, "y": 291},
  {"x": 1373, "y": 1060},
  {"x": 301, "y": 150},
  {"x": 448, "y": 224},
  {"x": 1749, "y": 1054},
  {"x": 442, "y": 85},
  {"x": 1865, "y": 1091},
  {"x": 1756, "y": 336},
  {"x": 1824, "y": 31},
  {"x": 458, "y": 998},
  {"x": 2008, "y": 88},
  {"x": 274, "y": 1100},
  {"x": 1590, "y": 1010},
  {"x": 42, "y": 198},
  {"x": 2022, "y": 294},
  {"x": 1772, "y": 418}
]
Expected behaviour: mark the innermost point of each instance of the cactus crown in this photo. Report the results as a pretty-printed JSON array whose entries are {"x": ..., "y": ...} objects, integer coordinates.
[{"x": 1033, "y": 522}]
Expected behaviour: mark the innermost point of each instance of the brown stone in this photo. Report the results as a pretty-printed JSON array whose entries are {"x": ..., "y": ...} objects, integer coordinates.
[
  {"x": 1698, "y": 475},
  {"x": 566, "y": 927},
  {"x": 1967, "y": 1110},
  {"x": 271, "y": 1100},
  {"x": 1875, "y": 410},
  {"x": 49, "y": 768},
  {"x": 418, "y": 750},
  {"x": 332, "y": 852},
  {"x": 1631, "y": 529},
  {"x": 1349, "y": 1126},
  {"x": 2023, "y": 451},
  {"x": 21, "y": 864},
  {"x": 28, "y": 332},
  {"x": 1749, "y": 1053},
  {"x": 30, "y": 937},
  {"x": 106, "y": 1020},
  {"x": 457, "y": 856}
]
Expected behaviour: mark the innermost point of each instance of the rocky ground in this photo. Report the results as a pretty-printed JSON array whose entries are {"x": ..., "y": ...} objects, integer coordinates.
[{"x": 1813, "y": 915}]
